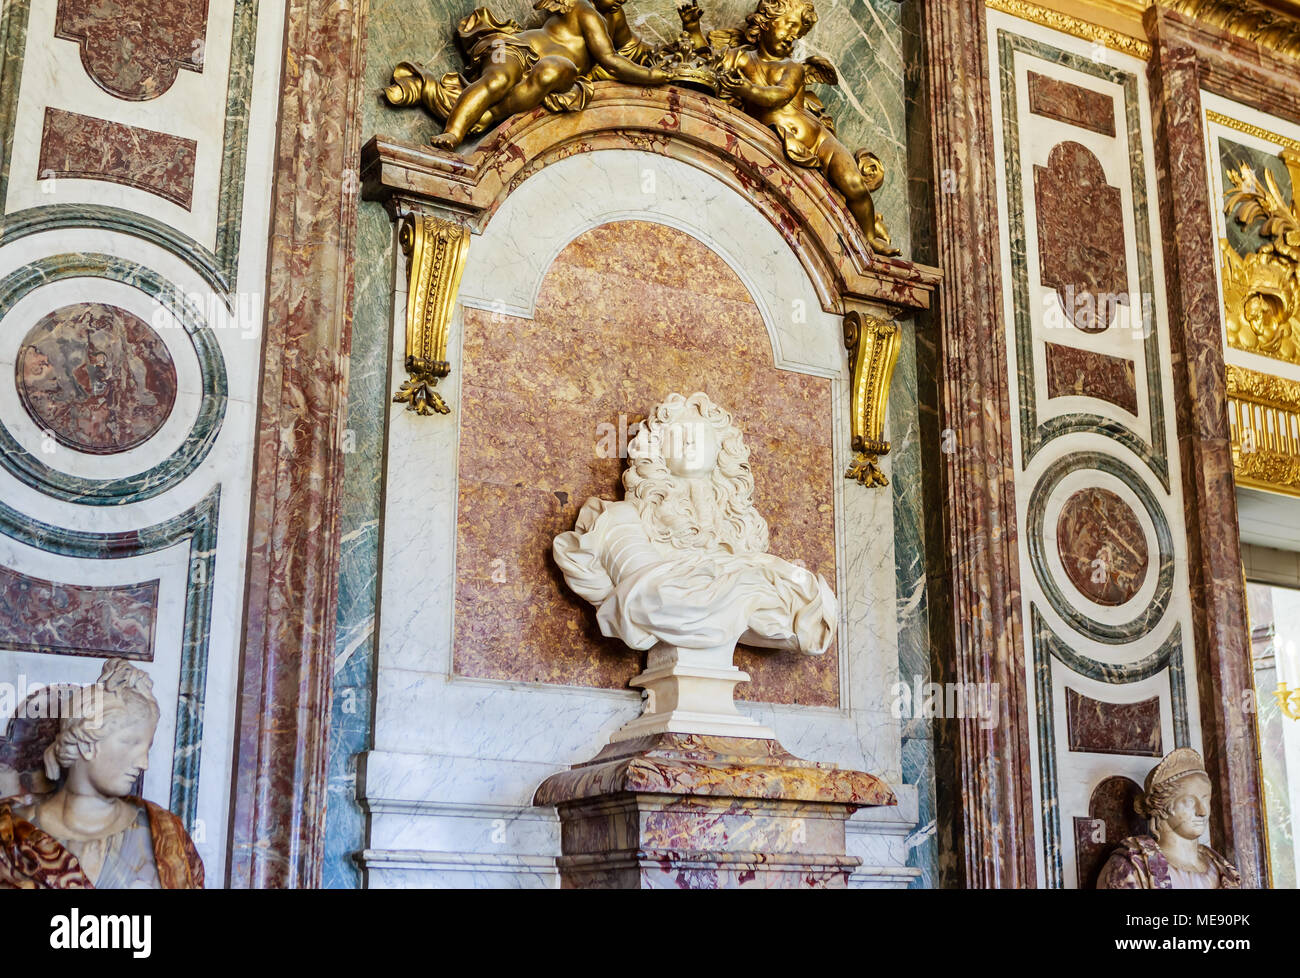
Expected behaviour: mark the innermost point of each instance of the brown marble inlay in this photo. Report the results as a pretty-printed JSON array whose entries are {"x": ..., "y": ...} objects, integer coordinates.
[
  {"x": 133, "y": 49},
  {"x": 628, "y": 313},
  {"x": 1113, "y": 728},
  {"x": 1111, "y": 817},
  {"x": 1064, "y": 102},
  {"x": 97, "y": 378},
  {"x": 1102, "y": 546},
  {"x": 1088, "y": 374},
  {"x": 76, "y": 619},
  {"x": 1081, "y": 236},
  {"x": 83, "y": 147}
]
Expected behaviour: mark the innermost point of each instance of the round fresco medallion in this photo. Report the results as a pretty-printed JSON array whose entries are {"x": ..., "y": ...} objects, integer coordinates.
[
  {"x": 1102, "y": 546},
  {"x": 96, "y": 377}
]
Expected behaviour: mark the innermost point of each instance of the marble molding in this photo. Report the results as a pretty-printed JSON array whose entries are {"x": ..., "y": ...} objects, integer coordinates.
[
  {"x": 1181, "y": 64},
  {"x": 1057, "y": 99},
  {"x": 1075, "y": 372},
  {"x": 134, "y": 50},
  {"x": 1080, "y": 236},
  {"x": 992, "y": 768},
  {"x": 77, "y": 619},
  {"x": 658, "y": 311},
  {"x": 97, "y": 377},
  {"x": 280, "y": 757},
  {"x": 86, "y": 148},
  {"x": 1102, "y": 727},
  {"x": 674, "y": 811}
]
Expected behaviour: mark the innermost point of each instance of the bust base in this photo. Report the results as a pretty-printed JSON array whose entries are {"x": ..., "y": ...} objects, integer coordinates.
[
  {"x": 691, "y": 691},
  {"x": 674, "y": 811}
]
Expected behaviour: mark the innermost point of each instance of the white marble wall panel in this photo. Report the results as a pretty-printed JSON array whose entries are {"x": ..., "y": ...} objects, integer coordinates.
[{"x": 450, "y": 749}]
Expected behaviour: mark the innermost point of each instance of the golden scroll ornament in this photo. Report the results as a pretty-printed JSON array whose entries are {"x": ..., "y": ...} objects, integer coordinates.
[
  {"x": 435, "y": 251},
  {"x": 873, "y": 352},
  {"x": 1261, "y": 290}
]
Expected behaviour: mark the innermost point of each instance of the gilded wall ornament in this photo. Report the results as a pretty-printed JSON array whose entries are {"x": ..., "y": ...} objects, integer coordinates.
[
  {"x": 436, "y": 251},
  {"x": 1261, "y": 290},
  {"x": 873, "y": 351},
  {"x": 1264, "y": 418},
  {"x": 510, "y": 69}
]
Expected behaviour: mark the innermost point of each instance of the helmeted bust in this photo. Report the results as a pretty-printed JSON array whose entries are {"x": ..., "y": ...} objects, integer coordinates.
[
  {"x": 1176, "y": 802},
  {"x": 91, "y": 832}
]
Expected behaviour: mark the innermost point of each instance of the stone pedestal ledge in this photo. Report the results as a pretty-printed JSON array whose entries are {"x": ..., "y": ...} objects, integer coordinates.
[{"x": 681, "y": 811}]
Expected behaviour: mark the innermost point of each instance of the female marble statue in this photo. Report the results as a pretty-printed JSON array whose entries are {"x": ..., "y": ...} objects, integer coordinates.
[
  {"x": 91, "y": 832},
  {"x": 683, "y": 559},
  {"x": 1176, "y": 801}
]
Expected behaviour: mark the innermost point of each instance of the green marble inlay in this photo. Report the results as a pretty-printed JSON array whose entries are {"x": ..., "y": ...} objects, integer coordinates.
[
  {"x": 199, "y": 527},
  {"x": 220, "y": 267},
  {"x": 1150, "y": 616},
  {"x": 31, "y": 471},
  {"x": 1047, "y": 646},
  {"x": 1035, "y": 435},
  {"x": 911, "y": 603}
]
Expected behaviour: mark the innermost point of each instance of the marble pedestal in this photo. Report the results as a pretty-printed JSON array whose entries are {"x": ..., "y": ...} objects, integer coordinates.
[{"x": 687, "y": 811}]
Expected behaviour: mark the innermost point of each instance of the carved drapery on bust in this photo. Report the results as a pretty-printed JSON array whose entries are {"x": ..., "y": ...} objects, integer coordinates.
[
  {"x": 92, "y": 832},
  {"x": 681, "y": 567},
  {"x": 1176, "y": 802}
]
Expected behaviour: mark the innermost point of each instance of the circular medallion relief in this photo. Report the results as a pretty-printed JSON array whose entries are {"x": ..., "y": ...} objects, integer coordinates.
[
  {"x": 96, "y": 377},
  {"x": 1102, "y": 546}
]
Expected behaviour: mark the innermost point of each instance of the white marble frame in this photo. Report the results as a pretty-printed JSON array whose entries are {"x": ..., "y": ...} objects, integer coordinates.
[{"x": 451, "y": 752}]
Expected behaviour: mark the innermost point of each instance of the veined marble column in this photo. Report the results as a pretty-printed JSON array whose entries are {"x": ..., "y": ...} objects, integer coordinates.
[
  {"x": 1214, "y": 548},
  {"x": 997, "y": 819}
]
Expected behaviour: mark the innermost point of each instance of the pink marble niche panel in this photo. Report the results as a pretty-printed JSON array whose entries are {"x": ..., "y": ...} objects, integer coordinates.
[
  {"x": 628, "y": 313},
  {"x": 1064, "y": 102},
  {"x": 96, "y": 377},
  {"x": 1102, "y": 546},
  {"x": 1113, "y": 728},
  {"x": 1081, "y": 236},
  {"x": 133, "y": 49}
]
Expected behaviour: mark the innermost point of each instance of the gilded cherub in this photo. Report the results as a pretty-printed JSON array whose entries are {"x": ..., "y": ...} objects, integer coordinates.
[
  {"x": 511, "y": 70},
  {"x": 756, "y": 72}
]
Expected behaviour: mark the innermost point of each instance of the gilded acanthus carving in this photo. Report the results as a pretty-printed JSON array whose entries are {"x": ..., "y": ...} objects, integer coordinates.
[
  {"x": 435, "y": 251},
  {"x": 1247, "y": 19},
  {"x": 510, "y": 70},
  {"x": 1261, "y": 290},
  {"x": 873, "y": 352}
]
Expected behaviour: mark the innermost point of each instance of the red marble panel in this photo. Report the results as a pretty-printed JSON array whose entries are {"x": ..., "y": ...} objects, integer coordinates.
[
  {"x": 1064, "y": 102},
  {"x": 1072, "y": 371},
  {"x": 76, "y": 619},
  {"x": 97, "y": 378},
  {"x": 1081, "y": 236},
  {"x": 1111, "y": 817},
  {"x": 1102, "y": 546},
  {"x": 86, "y": 148},
  {"x": 1113, "y": 728},
  {"x": 628, "y": 313},
  {"x": 133, "y": 49}
]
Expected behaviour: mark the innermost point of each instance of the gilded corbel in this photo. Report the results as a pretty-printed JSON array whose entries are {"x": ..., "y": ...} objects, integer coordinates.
[
  {"x": 435, "y": 250},
  {"x": 873, "y": 351}
]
